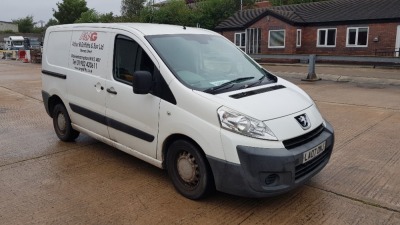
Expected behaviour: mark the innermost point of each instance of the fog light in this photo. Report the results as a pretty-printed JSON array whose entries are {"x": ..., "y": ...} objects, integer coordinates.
[{"x": 271, "y": 179}]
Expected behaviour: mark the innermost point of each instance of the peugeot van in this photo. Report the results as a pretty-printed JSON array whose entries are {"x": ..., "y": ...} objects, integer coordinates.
[{"x": 186, "y": 100}]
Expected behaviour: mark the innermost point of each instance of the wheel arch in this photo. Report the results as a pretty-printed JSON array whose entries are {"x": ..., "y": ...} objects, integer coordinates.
[
  {"x": 174, "y": 137},
  {"x": 52, "y": 102}
]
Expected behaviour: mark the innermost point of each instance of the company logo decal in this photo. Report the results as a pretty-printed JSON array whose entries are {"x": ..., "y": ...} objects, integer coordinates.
[
  {"x": 303, "y": 121},
  {"x": 88, "y": 36}
]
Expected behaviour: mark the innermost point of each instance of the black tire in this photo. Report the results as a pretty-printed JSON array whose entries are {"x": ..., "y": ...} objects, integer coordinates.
[
  {"x": 189, "y": 170},
  {"x": 62, "y": 124}
]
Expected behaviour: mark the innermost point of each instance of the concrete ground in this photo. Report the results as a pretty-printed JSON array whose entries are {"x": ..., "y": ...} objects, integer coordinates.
[{"x": 46, "y": 181}]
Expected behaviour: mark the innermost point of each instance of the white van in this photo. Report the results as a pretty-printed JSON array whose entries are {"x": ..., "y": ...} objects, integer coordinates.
[
  {"x": 186, "y": 100},
  {"x": 14, "y": 43}
]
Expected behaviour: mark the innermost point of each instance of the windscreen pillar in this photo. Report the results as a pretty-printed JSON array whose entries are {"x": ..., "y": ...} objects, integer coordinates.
[{"x": 311, "y": 76}]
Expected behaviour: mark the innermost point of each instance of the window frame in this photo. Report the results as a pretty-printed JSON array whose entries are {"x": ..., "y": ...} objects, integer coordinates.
[
  {"x": 356, "y": 45},
  {"x": 137, "y": 61},
  {"x": 284, "y": 38},
  {"x": 298, "y": 38},
  {"x": 242, "y": 35},
  {"x": 326, "y": 37},
  {"x": 253, "y": 40}
]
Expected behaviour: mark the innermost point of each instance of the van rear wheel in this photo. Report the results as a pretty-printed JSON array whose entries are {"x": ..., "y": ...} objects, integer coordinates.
[
  {"x": 62, "y": 124},
  {"x": 189, "y": 170}
]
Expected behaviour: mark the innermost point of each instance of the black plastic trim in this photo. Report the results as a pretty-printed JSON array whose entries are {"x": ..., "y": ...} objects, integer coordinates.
[
  {"x": 255, "y": 92},
  {"x": 89, "y": 114},
  {"x": 53, "y": 74},
  {"x": 45, "y": 97},
  {"x": 130, "y": 130},
  {"x": 297, "y": 141},
  {"x": 111, "y": 123},
  {"x": 161, "y": 88}
]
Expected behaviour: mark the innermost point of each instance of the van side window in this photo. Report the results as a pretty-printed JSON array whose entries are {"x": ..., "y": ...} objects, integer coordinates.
[{"x": 128, "y": 58}]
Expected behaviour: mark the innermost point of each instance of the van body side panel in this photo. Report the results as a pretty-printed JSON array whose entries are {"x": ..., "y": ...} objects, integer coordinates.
[
  {"x": 88, "y": 63},
  {"x": 195, "y": 117},
  {"x": 55, "y": 61}
]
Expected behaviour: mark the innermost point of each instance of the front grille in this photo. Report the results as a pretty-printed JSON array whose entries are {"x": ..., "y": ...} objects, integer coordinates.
[
  {"x": 305, "y": 168},
  {"x": 300, "y": 140}
]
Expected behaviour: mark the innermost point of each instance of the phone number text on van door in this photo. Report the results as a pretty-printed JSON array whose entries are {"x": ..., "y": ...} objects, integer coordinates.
[{"x": 85, "y": 63}]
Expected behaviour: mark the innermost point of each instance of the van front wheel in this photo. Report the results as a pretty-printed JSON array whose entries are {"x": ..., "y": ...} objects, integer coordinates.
[
  {"x": 189, "y": 170},
  {"x": 62, "y": 124}
]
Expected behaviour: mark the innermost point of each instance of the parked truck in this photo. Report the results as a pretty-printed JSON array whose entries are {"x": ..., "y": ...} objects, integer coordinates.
[
  {"x": 32, "y": 43},
  {"x": 14, "y": 43}
]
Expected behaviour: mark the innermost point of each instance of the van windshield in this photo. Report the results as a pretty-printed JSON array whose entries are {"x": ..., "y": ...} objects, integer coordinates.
[
  {"x": 34, "y": 43},
  {"x": 208, "y": 62},
  {"x": 17, "y": 43}
]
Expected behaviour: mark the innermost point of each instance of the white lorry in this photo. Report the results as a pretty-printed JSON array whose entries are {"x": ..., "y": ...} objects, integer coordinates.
[
  {"x": 186, "y": 100},
  {"x": 14, "y": 43}
]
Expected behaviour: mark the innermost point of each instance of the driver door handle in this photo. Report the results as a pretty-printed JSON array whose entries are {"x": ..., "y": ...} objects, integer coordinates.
[{"x": 111, "y": 91}]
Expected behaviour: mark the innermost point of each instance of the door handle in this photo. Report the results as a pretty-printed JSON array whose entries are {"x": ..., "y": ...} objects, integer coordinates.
[{"x": 111, "y": 91}]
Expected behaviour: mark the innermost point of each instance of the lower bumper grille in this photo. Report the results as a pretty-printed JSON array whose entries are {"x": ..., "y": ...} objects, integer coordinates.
[{"x": 305, "y": 168}]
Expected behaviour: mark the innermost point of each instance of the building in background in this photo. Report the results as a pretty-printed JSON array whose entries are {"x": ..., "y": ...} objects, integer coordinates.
[
  {"x": 337, "y": 27},
  {"x": 8, "y": 26}
]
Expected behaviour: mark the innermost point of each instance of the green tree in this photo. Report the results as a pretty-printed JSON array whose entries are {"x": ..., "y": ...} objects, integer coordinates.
[
  {"x": 25, "y": 25},
  {"x": 69, "y": 11},
  {"x": 172, "y": 12},
  {"x": 106, "y": 18},
  {"x": 290, "y": 2},
  {"x": 92, "y": 16},
  {"x": 51, "y": 22},
  {"x": 212, "y": 12},
  {"x": 130, "y": 9},
  {"x": 206, "y": 13}
]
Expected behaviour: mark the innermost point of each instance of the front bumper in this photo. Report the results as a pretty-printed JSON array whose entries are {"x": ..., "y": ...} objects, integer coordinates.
[{"x": 264, "y": 172}]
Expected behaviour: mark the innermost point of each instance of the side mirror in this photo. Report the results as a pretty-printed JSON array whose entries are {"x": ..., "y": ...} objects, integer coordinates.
[{"x": 142, "y": 82}]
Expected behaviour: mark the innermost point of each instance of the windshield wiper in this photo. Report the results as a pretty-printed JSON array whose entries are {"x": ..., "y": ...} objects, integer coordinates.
[
  {"x": 257, "y": 82},
  {"x": 219, "y": 87}
]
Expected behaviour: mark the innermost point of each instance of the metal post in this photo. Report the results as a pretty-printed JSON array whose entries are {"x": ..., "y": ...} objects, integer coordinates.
[{"x": 311, "y": 76}]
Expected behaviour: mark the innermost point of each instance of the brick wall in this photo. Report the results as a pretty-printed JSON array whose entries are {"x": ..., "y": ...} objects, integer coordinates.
[
  {"x": 385, "y": 33},
  {"x": 229, "y": 34},
  {"x": 271, "y": 23}
]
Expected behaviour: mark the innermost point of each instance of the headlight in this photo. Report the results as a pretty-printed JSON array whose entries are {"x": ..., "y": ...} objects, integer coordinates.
[{"x": 244, "y": 125}]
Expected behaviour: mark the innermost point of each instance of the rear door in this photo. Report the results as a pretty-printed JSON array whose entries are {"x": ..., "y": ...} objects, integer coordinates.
[
  {"x": 132, "y": 118},
  {"x": 88, "y": 63}
]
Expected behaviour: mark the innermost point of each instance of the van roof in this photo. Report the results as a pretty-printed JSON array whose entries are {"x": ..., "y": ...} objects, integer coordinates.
[
  {"x": 17, "y": 37},
  {"x": 144, "y": 28}
]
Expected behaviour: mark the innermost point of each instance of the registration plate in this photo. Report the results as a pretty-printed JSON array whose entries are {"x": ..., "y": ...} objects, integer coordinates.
[{"x": 310, "y": 154}]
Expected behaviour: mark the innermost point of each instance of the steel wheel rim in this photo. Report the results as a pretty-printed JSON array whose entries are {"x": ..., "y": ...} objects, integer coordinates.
[
  {"x": 61, "y": 122},
  {"x": 188, "y": 169}
]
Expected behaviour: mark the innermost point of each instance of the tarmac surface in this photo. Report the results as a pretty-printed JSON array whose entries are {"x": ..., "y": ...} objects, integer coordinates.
[{"x": 46, "y": 181}]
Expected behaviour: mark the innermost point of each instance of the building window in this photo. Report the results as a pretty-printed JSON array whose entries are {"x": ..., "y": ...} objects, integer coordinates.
[
  {"x": 276, "y": 39},
  {"x": 253, "y": 40},
  {"x": 298, "y": 38},
  {"x": 240, "y": 40},
  {"x": 357, "y": 37},
  {"x": 326, "y": 37}
]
